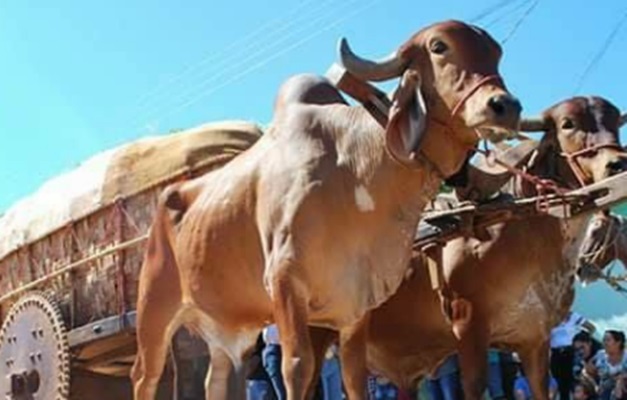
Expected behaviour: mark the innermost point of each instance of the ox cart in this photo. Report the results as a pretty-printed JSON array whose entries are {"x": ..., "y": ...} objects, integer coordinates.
[
  {"x": 70, "y": 254},
  {"x": 70, "y": 257}
]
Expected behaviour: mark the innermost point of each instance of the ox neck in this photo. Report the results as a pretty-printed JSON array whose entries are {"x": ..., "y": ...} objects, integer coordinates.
[
  {"x": 364, "y": 152},
  {"x": 443, "y": 147}
]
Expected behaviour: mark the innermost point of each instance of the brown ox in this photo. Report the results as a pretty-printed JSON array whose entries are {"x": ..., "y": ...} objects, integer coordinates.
[
  {"x": 511, "y": 289},
  {"x": 314, "y": 223}
]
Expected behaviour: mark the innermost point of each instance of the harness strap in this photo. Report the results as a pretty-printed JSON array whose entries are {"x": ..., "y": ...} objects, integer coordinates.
[
  {"x": 432, "y": 255},
  {"x": 468, "y": 95},
  {"x": 447, "y": 128},
  {"x": 571, "y": 158}
]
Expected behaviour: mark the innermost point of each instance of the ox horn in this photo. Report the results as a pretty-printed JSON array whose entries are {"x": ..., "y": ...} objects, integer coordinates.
[
  {"x": 532, "y": 124},
  {"x": 390, "y": 67},
  {"x": 623, "y": 119}
]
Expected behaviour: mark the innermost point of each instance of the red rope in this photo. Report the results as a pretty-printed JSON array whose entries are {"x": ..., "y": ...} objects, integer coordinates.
[
  {"x": 543, "y": 186},
  {"x": 472, "y": 91},
  {"x": 571, "y": 158}
]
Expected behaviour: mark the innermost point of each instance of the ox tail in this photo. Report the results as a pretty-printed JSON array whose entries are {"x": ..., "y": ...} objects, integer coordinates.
[{"x": 159, "y": 268}]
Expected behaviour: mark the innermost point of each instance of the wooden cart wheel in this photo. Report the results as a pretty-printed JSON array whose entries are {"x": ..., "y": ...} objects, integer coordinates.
[{"x": 34, "y": 351}]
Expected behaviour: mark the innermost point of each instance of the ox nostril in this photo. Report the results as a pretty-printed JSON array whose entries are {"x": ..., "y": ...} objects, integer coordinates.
[
  {"x": 496, "y": 104},
  {"x": 616, "y": 166},
  {"x": 503, "y": 105}
]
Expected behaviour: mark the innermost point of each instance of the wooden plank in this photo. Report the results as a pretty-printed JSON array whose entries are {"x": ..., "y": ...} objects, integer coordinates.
[
  {"x": 607, "y": 193},
  {"x": 102, "y": 329},
  {"x": 374, "y": 100}
]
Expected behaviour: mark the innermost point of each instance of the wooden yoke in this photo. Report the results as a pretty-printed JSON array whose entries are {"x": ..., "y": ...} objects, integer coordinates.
[{"x": 374, "y": 100}]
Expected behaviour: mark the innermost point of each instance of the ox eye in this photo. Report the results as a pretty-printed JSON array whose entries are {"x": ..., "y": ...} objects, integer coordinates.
[
  {"x": 568, "y": 124},
  {"x": 438, "y": 47}
]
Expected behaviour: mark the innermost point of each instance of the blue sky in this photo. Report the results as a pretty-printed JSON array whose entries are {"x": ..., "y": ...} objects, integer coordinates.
[{"x": 80, "y": 77}]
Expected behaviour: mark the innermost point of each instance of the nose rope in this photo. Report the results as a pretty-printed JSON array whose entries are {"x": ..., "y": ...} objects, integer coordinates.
[
  {"x": 591, "y": 258},
  {"x": 461, "y": 102},
  {"x": 473, "y": 90},
  {"x": 609, "y": 240},
  {"x": 575, "y": 166},
  {"x": 543, "y": 186},
  {"x": 446, "y": 124}
]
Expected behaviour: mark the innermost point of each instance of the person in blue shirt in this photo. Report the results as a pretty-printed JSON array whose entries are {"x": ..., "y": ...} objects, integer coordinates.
[
  {"x": 271, "y": 358},
  {"x": 331, "y": 375},
  {"x": 445, "y": 383},
  {"x": 495, "y": 375},
  {"x": 258, "y": 385},
  {"x": 522, "y": 390}
]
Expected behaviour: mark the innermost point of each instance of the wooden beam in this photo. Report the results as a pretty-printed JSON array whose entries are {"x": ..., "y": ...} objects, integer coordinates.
[{"x": 102, "y": 329}]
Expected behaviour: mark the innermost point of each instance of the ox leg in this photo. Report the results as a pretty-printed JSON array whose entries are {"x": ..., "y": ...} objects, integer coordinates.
[
  {"x": 290, "y": 315},
  {"x": 153, "y": 339},
  {"x": 353, "y": 359},
  {"x": 226, "y": 377},
  {"x": 473, "y": 333},
  {"x": 535, "y": 361},
  {"x": 321, "y": 339},
  {"x": 221, "y": 381}
]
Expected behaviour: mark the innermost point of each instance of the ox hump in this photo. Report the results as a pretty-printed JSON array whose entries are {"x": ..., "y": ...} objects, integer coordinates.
[{"x": 363, "y": 199}]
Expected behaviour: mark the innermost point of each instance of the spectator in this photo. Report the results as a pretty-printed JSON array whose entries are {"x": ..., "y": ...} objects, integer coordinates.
[
  {"x": 271, "y": 357},
  {"x": 621, "y": 388},
  {"x": 585, "y": 347},
  {"x": 380, "y": 388},
  {"x": 495, "y": 375},
  {"x": 562, "y": 352},
  {"x": 331, "y": 375},
  {"x": 522, "y": 390},
  {"x": 444, "y": 383},
  {"x": 509, "y": 369},
  {"x": 609, "y": 365},
  {"x": 584, "y": 390},
  {"x": 258, "y": 386}
]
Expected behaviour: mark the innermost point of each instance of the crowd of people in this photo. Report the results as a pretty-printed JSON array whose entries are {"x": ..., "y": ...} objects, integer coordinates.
[{"x": 581, "y": 368}]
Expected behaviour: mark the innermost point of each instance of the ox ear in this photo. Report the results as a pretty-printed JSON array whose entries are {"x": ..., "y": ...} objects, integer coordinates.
[{"x": 407, "y": 119}]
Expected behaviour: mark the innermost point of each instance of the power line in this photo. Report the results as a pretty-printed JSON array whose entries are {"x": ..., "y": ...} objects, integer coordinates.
[
  {"x": 262, "y": 63},
  {"x": 262, "y": 53},
  {"x": 255, "y": 34},
  {"x": 491, "y": 10},
  {"x": 228, "y": 65},
  {"x": 602, "y": 50},
  {"x": 520, "y": 21},
  {"x": 511, "y": 13}
]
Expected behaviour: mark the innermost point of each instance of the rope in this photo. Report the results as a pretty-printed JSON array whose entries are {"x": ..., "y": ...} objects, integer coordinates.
[{"x": 539, "y": 183}]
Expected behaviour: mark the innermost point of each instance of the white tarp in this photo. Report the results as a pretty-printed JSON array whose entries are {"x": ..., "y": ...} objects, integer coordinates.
[{"x": 77, "y": 193}]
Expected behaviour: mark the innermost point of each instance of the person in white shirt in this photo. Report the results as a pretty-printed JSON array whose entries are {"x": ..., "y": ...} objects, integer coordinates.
[
  {"x": 562, "y": 351},
  {"x": 271, "y": 358}
]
